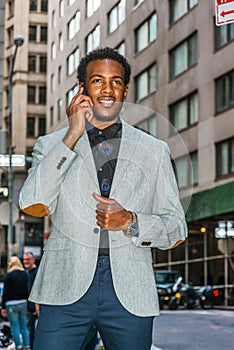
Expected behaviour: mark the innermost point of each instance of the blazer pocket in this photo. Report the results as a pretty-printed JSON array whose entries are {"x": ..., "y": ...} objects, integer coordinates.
[
  {"x": 56, "y": 244},
  {"x": 141, "y": 254}
]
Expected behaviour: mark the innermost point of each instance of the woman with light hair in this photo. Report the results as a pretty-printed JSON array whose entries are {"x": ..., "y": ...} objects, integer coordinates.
[{"x": 14, "y": 302}]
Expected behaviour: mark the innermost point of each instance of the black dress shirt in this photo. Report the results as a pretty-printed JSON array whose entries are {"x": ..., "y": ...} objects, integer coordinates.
[{"x": 105, "y": 147}]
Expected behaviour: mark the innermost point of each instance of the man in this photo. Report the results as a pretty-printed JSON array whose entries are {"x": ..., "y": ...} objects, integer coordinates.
[
  {"x": 31, "y": 268},
  {"x": 111, "y": 194}
]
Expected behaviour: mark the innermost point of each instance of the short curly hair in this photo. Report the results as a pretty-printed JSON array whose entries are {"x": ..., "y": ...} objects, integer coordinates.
[{"x": 101, "y": 54}]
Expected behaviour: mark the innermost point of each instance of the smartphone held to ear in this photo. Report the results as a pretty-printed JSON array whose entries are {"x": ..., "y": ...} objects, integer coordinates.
[{"x": 84, "y": 89}]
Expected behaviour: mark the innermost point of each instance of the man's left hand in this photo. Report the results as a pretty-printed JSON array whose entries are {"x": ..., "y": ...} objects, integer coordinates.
[{"x": 111, "y": 215}]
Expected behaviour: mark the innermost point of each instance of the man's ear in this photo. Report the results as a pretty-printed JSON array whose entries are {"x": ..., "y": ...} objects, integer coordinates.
[{"x": 125, "y": 92}]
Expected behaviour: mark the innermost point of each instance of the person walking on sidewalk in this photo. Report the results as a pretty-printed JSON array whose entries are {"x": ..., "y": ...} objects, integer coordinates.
[
  {"x": 14, "y": 302},
  {"x": 111, "y": 193},
  {"x": 33, "y": 309}
]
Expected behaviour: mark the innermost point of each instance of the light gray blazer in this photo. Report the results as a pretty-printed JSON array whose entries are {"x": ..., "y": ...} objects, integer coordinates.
[{"x": 64, "y": 181}]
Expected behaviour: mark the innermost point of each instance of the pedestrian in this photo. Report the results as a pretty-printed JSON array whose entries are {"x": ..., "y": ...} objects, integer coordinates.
[
  {"x": 14, "y": 302},
  {"x": 111, "y": 193},
  {"x": 33, "y": 309}
]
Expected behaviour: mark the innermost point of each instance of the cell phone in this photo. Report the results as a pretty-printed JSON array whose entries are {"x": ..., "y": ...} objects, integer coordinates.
[{"x": 84, "y": 89}]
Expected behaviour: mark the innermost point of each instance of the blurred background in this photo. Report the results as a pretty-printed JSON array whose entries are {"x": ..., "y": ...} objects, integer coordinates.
[{"x": 182, "y": 73}]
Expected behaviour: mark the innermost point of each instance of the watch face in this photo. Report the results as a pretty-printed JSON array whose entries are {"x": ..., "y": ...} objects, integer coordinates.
[{"x": 133, "y": 229}]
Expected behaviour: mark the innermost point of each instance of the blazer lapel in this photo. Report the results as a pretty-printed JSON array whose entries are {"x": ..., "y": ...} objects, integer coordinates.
[
  {"x": 127, "y": 146},
  {"x": 83, "y": 149}
]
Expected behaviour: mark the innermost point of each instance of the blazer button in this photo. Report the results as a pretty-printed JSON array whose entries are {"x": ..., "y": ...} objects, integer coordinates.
[{"x": 96, "y": 230}]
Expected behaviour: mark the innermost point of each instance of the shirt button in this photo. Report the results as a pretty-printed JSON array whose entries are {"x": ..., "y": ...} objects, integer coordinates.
[
  {"x": 96, "y": 230},
  {"x": 100, "y": 132},
  {"x": 100, "y": 169}
]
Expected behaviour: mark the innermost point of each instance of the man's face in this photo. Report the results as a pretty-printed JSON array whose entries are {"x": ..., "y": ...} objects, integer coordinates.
[
  {"x": 105, "y": 86},
  {"x": 28, "y": 261}
]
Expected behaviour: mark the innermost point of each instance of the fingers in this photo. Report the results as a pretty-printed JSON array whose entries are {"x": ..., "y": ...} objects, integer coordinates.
[{"x": 102, "y": 199}]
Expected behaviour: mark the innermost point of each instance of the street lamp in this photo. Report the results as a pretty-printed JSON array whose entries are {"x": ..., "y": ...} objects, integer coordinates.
[{"x": 18, "y": 41}]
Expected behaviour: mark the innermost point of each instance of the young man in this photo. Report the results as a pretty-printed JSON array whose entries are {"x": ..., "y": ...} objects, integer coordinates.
[{"x": 111, "y": 194}]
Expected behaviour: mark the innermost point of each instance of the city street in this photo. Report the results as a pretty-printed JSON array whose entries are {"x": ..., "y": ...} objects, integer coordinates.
[{"x": 194, "y": 330}]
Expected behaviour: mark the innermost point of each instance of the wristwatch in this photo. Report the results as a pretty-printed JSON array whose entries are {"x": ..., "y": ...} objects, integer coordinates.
[{"x": 133, "y": 228}]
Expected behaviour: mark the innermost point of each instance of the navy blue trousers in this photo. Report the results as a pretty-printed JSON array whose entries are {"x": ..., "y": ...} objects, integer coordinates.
[{"x": 70, "y": 327}]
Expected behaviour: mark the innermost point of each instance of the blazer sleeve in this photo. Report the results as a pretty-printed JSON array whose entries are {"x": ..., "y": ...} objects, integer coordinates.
[
  {"x": 165, "y": 227},
  {"x": 51, "y": 161}
]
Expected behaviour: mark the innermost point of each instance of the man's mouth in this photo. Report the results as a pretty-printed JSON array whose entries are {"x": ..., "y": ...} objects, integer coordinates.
[{"x": 106, "y": 102}]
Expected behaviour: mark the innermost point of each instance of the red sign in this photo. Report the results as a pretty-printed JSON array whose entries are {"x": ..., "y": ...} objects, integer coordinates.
[{"x": 224, "y": 10}]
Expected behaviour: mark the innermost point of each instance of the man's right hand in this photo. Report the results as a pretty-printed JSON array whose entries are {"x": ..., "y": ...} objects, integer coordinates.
[{"x": 79, "y": 110}]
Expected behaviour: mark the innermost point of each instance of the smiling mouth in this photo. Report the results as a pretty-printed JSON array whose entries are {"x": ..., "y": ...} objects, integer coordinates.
[{"x": 106, "y": 102}]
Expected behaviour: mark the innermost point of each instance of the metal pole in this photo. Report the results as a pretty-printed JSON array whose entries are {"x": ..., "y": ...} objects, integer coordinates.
[{"x": 18, "y": 41}]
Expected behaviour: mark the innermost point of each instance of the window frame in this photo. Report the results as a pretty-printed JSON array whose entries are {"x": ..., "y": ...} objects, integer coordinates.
[
  {"x": 189, "y": 62},
  {"x": 219, "y": 159},
  {"x": 148, "y": 26},
  {"x": 140, "y": 75},
  {"x": 174, "y": 105},
  {"x": 225, "y": 89}
]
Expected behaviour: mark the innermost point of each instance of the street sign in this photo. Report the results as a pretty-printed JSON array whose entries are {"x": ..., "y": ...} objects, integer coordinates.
[
  {"x": 224, "y": 10},
  {"x": 17, "y": 160},
  {"x": 224, "y": 230}
]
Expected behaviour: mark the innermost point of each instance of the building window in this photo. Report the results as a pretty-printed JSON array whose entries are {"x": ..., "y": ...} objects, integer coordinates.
[
  {"x": 121, "y": 48},
  {"x": 42, "y": 95},
  {"x": 52, "y": 83},
  {"x": 146, "y": 33},
  {"x": 186, "y": 169},
  {"x": 74, "y": 25},
  {"x": 59, "y": 74},
  {"x": 51, "y": 116},
  {"x": 30, "y": 127},
  {"x": 53, "y": 51},
  {"x": 41, "y": 126},
  {"x": 43, "y": 64},
  {"x": 224, "y": 92},
  {"x": 33, "y": 5},
  {"x": 223, "y": 35},
  {"x": 117, "y": 16},
  {"x": 31, "y": 94},
  {"x": 32, "y": 33},
  {"x": 71, "y": 93},
  {"x": 146, "y": 82},
  {"x": 179, "y": 7},
  {"x": 61, "y": 8},
  {"x": 184, "y": 113},
  {"x": 138, "y": 2},
  {"x": 53, "y": 19},
  {"x": 92, "y": 6},
  {"x": 60, "y": 41},
  {"x": 225, "y": 158},
  {"x": 93, "y": 39},
  {"x": 32, "y": 63},
  {"x": 184, "y": 56},
  {"x": 72, "y": 61},
  {"x": 149, "y": 125},
  {"x": 36, "y": 126},
  {"x": 59, "y": 106},
  {"x": 11, "y": 8},
  {"x": 44, "y": 5},
  {"x": 43, "y": 37}
]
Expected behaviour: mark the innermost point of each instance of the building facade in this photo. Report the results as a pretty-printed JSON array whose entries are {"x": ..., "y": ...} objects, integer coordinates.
[
  {"x": 182, "y": 77},
  {"x": 28, "y": 19}
]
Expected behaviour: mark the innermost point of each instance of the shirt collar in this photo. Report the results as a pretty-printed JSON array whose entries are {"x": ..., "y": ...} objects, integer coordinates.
[{"x": 111, "y": 132}]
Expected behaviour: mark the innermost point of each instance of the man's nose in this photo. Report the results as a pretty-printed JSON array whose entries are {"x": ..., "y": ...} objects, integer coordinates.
[{"x": 108, "y": 88}]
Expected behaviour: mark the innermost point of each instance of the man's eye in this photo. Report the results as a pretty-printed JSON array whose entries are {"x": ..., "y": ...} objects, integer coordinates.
[
  {"x": 96, "y": 80},
  {"x": 117, "y": 82}
]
